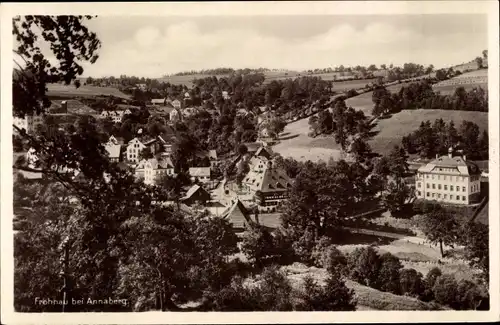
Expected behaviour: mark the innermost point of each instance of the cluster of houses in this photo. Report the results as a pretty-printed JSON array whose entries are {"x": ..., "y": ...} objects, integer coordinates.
[{"x": 263, "y": 188}]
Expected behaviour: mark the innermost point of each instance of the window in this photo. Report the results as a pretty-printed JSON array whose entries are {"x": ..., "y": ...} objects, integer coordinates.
[
  {"x": 439, "y": 186},
  {"x": 463, "y": 189},
  {"x": 472, "y": 188},
  {"x": 439, "y": 195},
  {"x": 458, "y": 197},
  {"x": 432, "y": 176},
  {"x": 427, "y": 185},
  {"x": 433, "y": 186},
  {"x": 433, "y": 194},
  {"x": 463, "y": 198},
  {"x": 445, "y": 196},
  {"x": 439, "y": 177},
  {"x": 445, "y": 177},
  {"x": 427, "y": 176},
  {"x": 446, "y": 187},
  {"x": 428, "y": 194},
  {"x": 419, "y": 193},
  {"x": 451, "y": 187},
  {"x": 419, "y": 184}
]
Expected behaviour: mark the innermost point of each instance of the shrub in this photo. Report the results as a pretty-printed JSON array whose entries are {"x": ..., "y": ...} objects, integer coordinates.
[
  {"x": 429, "y": 281},
  {"x": 283, "y": 248},
  {"x": 388, "y": 279},
  {"x": 234, "y": 297},
  {"x": 469, "y": 296},
  {"x": 332, "y": 260},
  {"x": 304, "y": 247},
  {"x": 257, "y": 245},
  {"x": 364, "y": 264},
  {"x": 411, "y": 282},
  {"x": 273, "y": 291},
  {"x": 318, "y": 251},
  {"x": 445, "y": 290},
  {"x": 334, "y": 296}
]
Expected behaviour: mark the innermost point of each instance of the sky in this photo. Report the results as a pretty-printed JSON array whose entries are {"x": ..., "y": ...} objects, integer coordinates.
[{"x": 154, "y": 46}]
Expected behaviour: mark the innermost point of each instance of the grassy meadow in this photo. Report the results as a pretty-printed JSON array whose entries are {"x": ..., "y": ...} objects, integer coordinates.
[{"x": 60, "y": 90}]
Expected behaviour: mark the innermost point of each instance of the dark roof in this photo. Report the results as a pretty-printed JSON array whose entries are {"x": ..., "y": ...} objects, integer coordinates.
[
  {"x": 253, "y": 146},
  {"x": 194, "y": 189},
  {"x": 237, "y": 215}
]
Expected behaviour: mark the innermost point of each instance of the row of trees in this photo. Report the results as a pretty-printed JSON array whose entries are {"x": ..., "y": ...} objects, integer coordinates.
[
  {"x": 342, "y": 121},
  {"x": 420, "y": 95},
  {"x": 436, "y": 138}
]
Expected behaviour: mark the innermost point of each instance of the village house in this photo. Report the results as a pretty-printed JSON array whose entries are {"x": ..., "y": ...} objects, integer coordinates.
[
  {"x": 189, "y": 111},
  {"x": 176, "y": 103},
  {"x": 142, "y": 87},
  {"x": 116, "y": 116},
  {"x": 252, "y": 147},
  {"x": 114, "y": 151},
  {"x": 115, "y": 140},
  {"x": 214, "y": 161},
  {"x": 268, "y": 184},
  {"x": 175, "y": 115},
  {"x": 239, "y": 216},
  {"x": 196, "y": 195},
  {"x": 29, "y": 122},
  {"x": 151, "y": 169},
  {"x": 201, "y": 174},
  {"x": 161, "y": 102},
  {"x": 134, "y": 147},
  {"x": 449, "y": 179}
]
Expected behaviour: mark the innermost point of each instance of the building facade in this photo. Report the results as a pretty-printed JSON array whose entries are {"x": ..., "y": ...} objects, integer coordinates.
[
  {"x": 29, "y": 122},
  {"x": 134, "y": 147},
  {"x": 268, "y": 184},
  {"x": 449, "y": 179}
]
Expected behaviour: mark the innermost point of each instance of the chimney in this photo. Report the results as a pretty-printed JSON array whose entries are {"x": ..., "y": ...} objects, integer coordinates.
[
  {"x": 437, "y": 156},
  {"x": 450, "y": 152},
  {"x": 465, "y": 157}
]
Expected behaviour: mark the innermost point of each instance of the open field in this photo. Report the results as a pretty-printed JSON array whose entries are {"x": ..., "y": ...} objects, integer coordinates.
[
  {"x": 476, "y": 73},
  {"x": 364, "y": 101},
  {"x": 450, "y": 89},
  {"x": 60, "y": 90},
  {"x": 186, "y": 80},
  {"x": 468, "y": 80},
  {"x": 392, "y": 129},
  {"x": 297, "y": 144}
]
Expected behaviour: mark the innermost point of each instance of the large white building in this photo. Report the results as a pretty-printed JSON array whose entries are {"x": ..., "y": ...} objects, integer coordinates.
[
  {"x": 151, "y": 169},
  {"x": 29, "y": 122},
  {"x": 449, "y": 179}
]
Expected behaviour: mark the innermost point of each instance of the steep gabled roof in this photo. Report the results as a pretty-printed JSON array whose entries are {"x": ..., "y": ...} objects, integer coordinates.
[
  {"x": 212, "y": 154},
  {"x": 113, "y": 150},
  {"x": 195, "y": 188},
  {"x": 237, "y": 215}
]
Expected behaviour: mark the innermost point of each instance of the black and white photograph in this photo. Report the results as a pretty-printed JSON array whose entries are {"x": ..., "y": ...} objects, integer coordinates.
[{"x": 176, "y": 159}]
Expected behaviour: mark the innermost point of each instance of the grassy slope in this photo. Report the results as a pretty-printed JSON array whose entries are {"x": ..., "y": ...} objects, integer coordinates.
[
  {"x": 402, "y": 123},
  {"x": 298, "y": 145},
  {"x": 59, "y": 90},
  {"x": 368, "y": 298}
]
